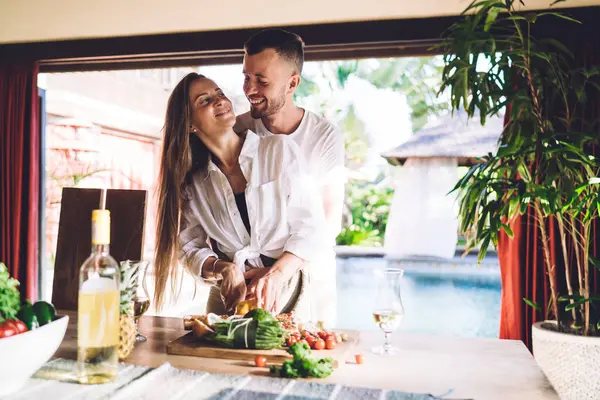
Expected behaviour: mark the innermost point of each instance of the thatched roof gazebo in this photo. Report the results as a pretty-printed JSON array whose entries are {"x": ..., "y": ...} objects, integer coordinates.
[
  {"x": 423, "y": 216},
  {"x": 450, "y": 136}
]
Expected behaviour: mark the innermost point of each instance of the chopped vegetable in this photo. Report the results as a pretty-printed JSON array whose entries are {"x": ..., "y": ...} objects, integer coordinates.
[
  {"x": 200, "y": 329},
  {"x": 245, "y": 306},
  {"x": 304, "y": 364},
  {"x": 358, "y": 358}
]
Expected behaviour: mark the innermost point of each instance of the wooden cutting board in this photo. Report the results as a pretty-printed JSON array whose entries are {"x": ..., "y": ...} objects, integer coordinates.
[{"x": 190, "y": 345}]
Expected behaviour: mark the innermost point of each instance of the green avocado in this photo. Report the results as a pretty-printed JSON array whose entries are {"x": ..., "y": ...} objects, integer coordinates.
[
  {"x": 27, "y": 315},
  {"x": 44, "y": 311}
]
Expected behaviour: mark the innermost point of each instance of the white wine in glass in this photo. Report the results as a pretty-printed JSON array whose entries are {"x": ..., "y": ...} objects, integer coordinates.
[
  {"x": 389, "y": 309},
  {"x": 141, "y": 299}
]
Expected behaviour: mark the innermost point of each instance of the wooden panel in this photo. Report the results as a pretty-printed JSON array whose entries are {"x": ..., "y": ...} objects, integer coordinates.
[
  {"x": 190, "y": 345},
  {"x": 385, "y": 38},
  {"x": 128, "y": 210}
]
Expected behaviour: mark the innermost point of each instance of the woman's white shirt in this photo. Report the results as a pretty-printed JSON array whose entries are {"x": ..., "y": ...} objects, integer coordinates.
[{"x": 284, "y": 208}]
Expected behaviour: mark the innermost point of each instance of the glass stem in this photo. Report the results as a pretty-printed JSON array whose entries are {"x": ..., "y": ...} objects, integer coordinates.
[{"x": 387, "y": 346}]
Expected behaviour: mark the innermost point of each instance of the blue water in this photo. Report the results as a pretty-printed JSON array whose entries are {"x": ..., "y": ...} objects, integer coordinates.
[{"x": 437, "y": 299}]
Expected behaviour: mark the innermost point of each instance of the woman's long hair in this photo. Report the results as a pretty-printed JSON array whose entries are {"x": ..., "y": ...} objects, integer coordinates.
[{"x": 183, "y": 153}]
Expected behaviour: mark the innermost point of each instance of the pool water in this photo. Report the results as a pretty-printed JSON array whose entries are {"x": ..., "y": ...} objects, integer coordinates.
[{"x": 438, "y": 300}]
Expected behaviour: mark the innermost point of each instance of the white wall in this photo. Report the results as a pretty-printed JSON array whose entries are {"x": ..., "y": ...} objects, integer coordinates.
[{"x": 43, "y": 20}]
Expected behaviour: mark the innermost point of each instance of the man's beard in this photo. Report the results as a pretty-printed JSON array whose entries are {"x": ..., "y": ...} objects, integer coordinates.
[{"x": 273, "y": 106}]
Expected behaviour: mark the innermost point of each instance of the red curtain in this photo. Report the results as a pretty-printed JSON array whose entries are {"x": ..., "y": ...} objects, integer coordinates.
[
  {"x": 522, "y": 268},
  {"x": 19, "y": 174}
]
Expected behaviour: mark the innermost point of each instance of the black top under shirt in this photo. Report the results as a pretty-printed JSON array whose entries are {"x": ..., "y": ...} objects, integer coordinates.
[{"x": 240, "y": 200}]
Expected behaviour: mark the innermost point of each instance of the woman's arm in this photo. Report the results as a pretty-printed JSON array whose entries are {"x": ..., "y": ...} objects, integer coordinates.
[
  {"x": 194, "y": 249},
  {"x": 203, "y": 263}
]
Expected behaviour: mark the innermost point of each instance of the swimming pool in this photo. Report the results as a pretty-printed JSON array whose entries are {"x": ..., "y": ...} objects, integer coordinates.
[{"x": 438, "y": 299}]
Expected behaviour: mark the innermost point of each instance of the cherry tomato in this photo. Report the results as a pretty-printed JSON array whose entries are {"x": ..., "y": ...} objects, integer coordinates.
[
  {"x": 260, "y": 361},
  {"x": 310, "y": 340},
  {"x": 330, "y": 336},
  {"x": 297, "y": 335},
  {"x": 322, "y": 335},
  {"x": 359, "y": 358},
  {"x": 319, "y": 344},
  {"x": 19, "y": 325},
  {"x": 330, "y": 344},
  {"x": 7, "y": 329},
  {"x": 303, "y": 341},
  {"x": 291, "y": 340}
]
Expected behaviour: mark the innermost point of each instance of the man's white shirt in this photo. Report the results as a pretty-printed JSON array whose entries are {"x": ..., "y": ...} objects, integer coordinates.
[
  {"x": 284, "y": 208},
  {"x": 322, "y": 146}
]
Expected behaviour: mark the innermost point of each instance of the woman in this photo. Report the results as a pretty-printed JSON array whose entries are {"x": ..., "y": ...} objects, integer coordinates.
[{"x": 250, "y": 197}]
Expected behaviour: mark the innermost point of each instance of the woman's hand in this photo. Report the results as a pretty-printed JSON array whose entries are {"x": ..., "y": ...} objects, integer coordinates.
[
  {"x": 269, "y": 284},
  {"x": 233, "y": 285}
]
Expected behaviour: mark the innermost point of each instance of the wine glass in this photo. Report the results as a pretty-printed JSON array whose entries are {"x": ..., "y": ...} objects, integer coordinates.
[
  {"x": 141, "y": 299},
  {"x": 389, "y": 310}
]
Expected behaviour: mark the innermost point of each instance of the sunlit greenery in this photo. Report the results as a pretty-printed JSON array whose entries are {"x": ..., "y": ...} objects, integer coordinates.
[{"x": 418, "y": 79}]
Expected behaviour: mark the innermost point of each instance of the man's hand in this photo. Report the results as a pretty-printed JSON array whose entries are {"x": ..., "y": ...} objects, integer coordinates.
[
  {"x": 269, "y": 284},
  {"x": 233, "y": 285}
]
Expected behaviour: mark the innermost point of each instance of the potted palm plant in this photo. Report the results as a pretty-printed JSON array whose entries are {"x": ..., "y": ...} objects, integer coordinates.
[{"x": 544, "y": 166}]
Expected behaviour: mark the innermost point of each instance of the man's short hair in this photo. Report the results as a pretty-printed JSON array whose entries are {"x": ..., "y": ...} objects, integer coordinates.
[{"x": 288, "y": 45}]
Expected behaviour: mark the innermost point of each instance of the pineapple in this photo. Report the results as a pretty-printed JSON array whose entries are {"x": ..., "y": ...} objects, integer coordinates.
[{"x": 127, "y": 332}]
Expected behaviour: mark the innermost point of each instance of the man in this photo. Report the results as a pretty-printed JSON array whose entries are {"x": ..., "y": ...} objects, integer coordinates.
[{"x": 273, "y": 61}]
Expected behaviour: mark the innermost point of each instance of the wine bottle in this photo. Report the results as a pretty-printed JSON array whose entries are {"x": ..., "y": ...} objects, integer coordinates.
[{"x": 98, "y": 308}]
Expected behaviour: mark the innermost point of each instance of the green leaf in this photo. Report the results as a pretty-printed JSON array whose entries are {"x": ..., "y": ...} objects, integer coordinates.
[
  {"x": 595, "y": 262},
  {"x": 508, "y": 231},
  {"x": 532, "y": 304},
  {"x": 559, "y": 15},
  {"x": 560, "y": 46},
  {"x": 10, "y": 298},
  {"x": 578, "y": 303},
  {"x": 491, "y": 18}
]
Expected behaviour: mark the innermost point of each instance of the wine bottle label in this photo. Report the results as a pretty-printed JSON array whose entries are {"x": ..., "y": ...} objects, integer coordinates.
[{"x": 100, "y": 227}]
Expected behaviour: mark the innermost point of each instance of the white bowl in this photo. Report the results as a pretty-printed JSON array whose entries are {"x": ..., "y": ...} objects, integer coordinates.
[{"x": 23, "y": 354}]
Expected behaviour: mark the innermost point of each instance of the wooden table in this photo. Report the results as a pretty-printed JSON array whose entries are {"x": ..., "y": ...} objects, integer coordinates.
[{"x": 471, "y": 367}]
